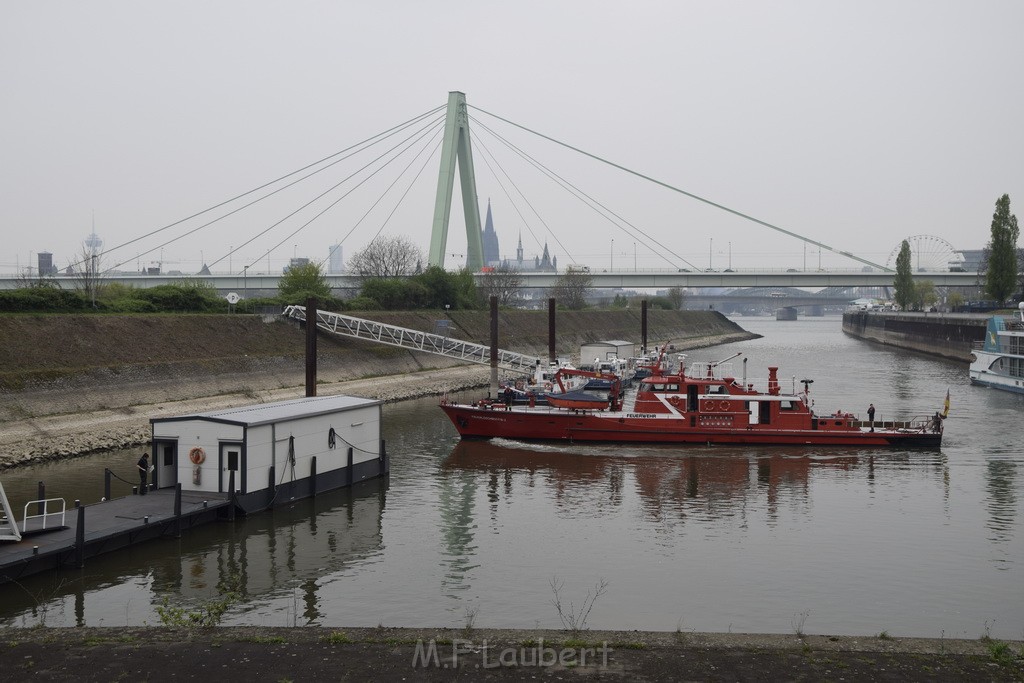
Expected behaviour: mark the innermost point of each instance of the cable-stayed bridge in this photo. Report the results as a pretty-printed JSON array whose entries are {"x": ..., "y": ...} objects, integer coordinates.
[{"x": 447, "y": 129}]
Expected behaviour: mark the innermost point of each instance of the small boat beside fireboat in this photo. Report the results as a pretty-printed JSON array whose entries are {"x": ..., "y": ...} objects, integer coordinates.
[{"x": 699, "y": 404}]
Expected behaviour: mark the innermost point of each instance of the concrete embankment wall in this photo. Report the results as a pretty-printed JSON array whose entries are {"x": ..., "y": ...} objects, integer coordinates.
[
  {"x": 949, "y": 335},
  {"x": 58, "y": 364}
]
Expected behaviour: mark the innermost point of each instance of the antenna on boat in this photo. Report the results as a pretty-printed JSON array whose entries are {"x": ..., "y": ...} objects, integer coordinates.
[
  {"x": 807, "y": 385},
  {"x": 719, "y": 362}
]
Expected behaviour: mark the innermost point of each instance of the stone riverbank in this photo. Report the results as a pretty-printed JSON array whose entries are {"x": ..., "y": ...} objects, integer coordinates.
[{"x": 98, "y": 390}]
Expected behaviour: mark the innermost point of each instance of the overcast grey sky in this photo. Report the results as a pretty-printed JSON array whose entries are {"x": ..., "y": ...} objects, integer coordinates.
[{"x": 857, "y": 123}]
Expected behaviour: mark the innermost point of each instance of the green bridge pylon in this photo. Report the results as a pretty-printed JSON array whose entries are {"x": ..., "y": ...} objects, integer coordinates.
[{"x": 456, "y": 148}]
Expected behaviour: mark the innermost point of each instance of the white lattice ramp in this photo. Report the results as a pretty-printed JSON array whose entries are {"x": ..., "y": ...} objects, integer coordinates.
[
  {"x": 414, "y": 340},
  {"x": 8, "y": 525}
]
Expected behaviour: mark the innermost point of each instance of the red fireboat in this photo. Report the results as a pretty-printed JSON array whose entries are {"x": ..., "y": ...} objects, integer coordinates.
[{"x": 702, "y": 406}]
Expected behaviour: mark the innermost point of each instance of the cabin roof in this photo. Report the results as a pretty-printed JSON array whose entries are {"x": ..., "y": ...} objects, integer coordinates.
[
  {"x": 609, "y": 342},
  {"x": 279, "y": 411}
]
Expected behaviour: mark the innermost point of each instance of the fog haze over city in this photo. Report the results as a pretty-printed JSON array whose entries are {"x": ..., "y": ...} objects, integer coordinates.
[{"x": 853, "y": 124}]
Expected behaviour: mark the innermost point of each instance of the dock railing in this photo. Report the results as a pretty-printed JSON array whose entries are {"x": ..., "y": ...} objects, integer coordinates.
[{"x": 44, "y": 515}]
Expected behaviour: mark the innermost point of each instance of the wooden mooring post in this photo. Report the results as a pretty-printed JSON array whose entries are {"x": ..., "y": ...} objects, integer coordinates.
[
  {"x": 80, "y": 539},
  {"x": 312, "y": 477},
  {"x": 177, "y": 510}
]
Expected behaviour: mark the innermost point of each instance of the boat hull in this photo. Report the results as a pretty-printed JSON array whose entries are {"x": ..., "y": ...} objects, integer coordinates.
[
  {"x": 546, "y": 424},
  {"x": 981, "y": 373}
]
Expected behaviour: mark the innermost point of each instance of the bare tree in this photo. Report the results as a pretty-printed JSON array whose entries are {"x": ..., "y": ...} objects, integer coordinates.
[
  {"x": 572, "y": 288},
  {"x": 386, "y": 257},
  {"x": 677, "y": 297},
  {"x": 503, "y": 282},
  {"x": 87, "y": 273}
]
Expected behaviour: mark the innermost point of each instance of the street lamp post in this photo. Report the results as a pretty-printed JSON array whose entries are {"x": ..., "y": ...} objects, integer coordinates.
[
  {"x": 245, "y": 282},
  {"x": 611, "y": 256}
]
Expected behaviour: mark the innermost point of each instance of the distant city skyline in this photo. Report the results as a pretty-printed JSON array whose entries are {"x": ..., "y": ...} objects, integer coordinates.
[{"x": 852, "y": 124}]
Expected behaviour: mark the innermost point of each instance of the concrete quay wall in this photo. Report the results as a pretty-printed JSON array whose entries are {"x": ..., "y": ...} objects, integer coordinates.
[{"x": 949, "y": 335}]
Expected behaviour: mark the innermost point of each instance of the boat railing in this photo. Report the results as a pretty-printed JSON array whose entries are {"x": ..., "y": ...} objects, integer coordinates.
[{"x": 702, "y": 370}]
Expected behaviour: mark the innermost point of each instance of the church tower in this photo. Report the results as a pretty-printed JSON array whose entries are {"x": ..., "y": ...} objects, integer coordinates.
[{"x": 489, "y": 240}]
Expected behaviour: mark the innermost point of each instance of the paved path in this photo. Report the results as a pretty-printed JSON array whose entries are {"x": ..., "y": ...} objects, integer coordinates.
[{"x": 384, "y": 654}]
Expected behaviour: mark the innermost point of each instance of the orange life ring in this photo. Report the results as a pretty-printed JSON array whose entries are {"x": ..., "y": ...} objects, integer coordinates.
[
  {"x": 724, "y": 405},
  {"x": 709, "y": 406},
  {"x": 197, "y": 455}
]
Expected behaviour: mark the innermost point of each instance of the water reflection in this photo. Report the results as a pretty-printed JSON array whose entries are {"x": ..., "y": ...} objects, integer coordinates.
[
  {"x": 914, "y": 542},
  {"x": 457, "y": 502},
  {"x": 1001, "y": 486},
  {"x": 673, "y": 484},
  {"x": 286, "y": 548}
]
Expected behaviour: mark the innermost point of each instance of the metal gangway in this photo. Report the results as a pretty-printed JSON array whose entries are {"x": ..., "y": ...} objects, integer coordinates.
[
  {"x": 414, "y": 340},
  {"x": 8, "y": 525}
]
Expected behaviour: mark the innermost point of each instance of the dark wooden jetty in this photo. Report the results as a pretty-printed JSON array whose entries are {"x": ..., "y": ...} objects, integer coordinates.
[{"x": 91, "y": 530}]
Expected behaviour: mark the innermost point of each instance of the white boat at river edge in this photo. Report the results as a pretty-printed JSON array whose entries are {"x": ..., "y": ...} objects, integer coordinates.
[{"x": 998, "y": 362}]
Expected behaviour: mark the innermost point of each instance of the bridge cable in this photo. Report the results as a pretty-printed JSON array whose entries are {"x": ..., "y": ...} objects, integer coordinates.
[
  {"x": 260, "y": 234},
  {"x": 365, "y": 144},
  {"x": 528, "y": 203},
  {"x": 587, "y": 199},
  {"x": 497, "y": 179},
  {"x": 420, "y": 133},
  {"x": 688, "y": 194},
  {"x": 400, "y": 199},
  {"x": 295, "y": 182},
  {"x": 379, "y": 199}
]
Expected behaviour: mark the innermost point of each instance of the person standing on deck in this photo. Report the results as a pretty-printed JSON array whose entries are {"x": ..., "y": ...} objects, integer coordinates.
[
  {"x": 143, "y": 466},
  {"x": 871, "y": 415}
]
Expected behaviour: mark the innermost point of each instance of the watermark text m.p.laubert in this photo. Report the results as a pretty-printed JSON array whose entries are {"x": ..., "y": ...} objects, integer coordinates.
[{"x": 427, "y": 654}]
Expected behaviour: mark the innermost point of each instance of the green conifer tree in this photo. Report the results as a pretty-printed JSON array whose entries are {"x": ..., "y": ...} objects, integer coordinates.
[
  {"x": 904, "y": 282},
  {"x": 1001, "y": 275}
]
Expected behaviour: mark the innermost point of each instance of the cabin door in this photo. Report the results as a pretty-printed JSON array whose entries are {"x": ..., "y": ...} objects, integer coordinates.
[
  {"x": 165, "y": 463},
  {"x": 231, "y": 461}
]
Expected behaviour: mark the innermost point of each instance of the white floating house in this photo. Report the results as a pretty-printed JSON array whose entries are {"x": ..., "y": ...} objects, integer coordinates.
[{"x": 272, "y": 453}]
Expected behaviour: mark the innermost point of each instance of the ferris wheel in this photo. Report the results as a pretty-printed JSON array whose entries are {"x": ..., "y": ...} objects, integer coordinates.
[{"x": 927, "y": 253}]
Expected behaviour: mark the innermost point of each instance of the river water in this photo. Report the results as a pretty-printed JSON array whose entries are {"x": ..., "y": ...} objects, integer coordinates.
[{"x": 741, "y": 539}]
